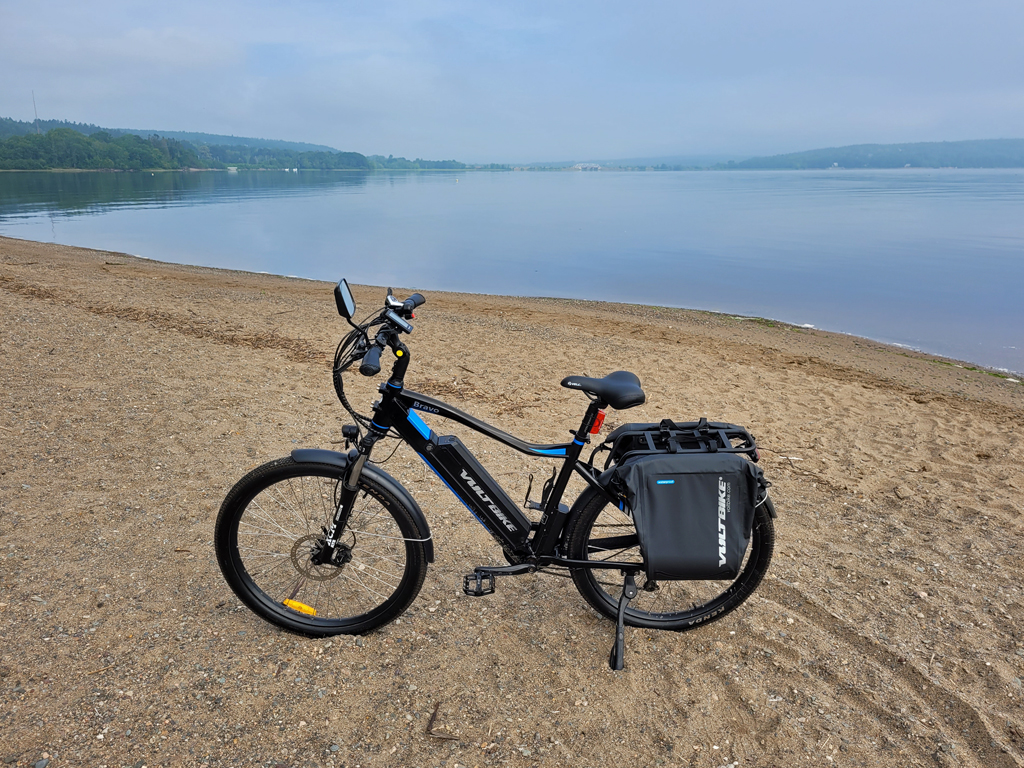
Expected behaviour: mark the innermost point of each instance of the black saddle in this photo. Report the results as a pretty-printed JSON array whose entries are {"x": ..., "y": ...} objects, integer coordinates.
[{"x": 620, "y": 390}]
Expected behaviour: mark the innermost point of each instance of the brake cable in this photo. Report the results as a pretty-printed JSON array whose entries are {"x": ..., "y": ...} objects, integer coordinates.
[{"x": 353, "y": 347}]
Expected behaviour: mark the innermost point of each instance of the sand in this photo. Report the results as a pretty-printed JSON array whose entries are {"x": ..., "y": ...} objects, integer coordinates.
[{"x": 887, "y": 633}]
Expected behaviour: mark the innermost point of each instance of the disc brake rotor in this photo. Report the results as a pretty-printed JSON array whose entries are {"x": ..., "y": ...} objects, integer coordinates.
[{"x": 302, "y": 551}]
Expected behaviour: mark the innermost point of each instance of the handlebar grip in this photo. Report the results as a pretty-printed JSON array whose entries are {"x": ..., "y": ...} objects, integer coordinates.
[
  {"x": 371, "y": 362},
  {"x": 413, "y": 301}
]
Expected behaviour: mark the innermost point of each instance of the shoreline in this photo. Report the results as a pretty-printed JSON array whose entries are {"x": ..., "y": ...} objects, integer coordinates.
[
  {"x": 1005, "y": 374},
  {"x": 247, "y": 170},
  {"x": 525, "y": 169}
]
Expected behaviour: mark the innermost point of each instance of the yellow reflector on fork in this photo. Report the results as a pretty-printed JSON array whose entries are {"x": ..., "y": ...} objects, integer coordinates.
[{"x": 295, "y": 605}]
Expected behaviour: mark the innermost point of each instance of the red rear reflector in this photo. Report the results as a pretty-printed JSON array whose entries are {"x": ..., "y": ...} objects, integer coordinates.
[
  {"x": 412, "y": 315},
  {"x": 597, "y": 423}
]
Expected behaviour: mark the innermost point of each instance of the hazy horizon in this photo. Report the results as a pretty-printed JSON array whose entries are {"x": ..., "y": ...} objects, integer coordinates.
[{"x": 525, "y": 82}]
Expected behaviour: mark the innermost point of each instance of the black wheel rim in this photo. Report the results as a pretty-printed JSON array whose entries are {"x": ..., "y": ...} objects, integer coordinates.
[
  {"x": 669, "y": 601},
  {"x": 281, "y": 525}
]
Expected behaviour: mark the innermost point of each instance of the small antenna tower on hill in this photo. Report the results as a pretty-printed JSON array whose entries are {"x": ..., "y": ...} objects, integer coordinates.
[{"x": 36, "y": 111}]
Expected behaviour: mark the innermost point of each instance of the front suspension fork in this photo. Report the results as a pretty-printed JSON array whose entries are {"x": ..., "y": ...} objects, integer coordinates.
[
  {"x": 350, "y": 484},
  {"x": 347, "y": 498}
]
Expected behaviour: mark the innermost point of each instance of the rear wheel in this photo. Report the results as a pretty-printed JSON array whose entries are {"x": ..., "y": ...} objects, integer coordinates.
[
  {"x": 597, "y": 530},
  {"x": 270, "y": 527}
]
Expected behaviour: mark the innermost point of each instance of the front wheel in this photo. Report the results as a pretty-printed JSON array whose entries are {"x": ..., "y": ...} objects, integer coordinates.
[
  {"x": 597, "y": 530},
  {"x": 270, "y": 527}
]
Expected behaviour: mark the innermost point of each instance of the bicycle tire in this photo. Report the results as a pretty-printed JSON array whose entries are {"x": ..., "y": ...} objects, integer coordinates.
[
  {"x": 669, "y": 605},
  {"x": 269, "y": 525}
]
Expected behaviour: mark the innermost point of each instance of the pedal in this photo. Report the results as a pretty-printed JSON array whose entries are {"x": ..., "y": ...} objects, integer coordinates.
[{"x": 478, "y": 584}]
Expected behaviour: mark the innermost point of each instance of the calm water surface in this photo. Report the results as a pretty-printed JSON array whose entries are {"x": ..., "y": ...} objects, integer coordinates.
[{"x": 930, "y": 259}]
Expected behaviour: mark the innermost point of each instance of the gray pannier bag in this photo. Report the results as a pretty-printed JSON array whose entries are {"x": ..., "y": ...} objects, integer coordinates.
[{"x": 693, "y": 511}]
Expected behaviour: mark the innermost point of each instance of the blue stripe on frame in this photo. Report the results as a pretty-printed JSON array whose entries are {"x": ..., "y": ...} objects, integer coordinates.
[
  {"x": 420, "y": 425},
  {"x": 551, "y": 451}
]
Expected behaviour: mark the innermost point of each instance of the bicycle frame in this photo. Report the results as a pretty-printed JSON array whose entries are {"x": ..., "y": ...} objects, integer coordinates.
[
  {"x": 268, "y": 547},
  {"x": 465, "y": 477}
]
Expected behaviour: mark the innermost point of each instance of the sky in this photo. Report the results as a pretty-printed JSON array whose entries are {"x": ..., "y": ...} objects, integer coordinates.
[{"x": 525, "y": 81}]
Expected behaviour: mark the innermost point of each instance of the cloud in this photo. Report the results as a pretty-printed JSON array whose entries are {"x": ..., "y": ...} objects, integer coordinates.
[
  {"x": 527, "y": 80},
  {"x": 81, "y": 57}
]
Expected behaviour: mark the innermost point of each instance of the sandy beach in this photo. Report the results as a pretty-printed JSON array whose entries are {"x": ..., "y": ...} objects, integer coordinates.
[{"x": 135, "y": 393}]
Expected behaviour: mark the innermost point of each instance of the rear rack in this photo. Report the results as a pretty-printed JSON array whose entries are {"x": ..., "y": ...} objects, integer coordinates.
[{"x": 668, "y": 436}]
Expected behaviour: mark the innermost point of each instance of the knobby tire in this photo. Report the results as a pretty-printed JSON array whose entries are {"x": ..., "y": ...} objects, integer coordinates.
[
  {"x": 671, "y": 605},
  {"x": 270, "y": 523}
]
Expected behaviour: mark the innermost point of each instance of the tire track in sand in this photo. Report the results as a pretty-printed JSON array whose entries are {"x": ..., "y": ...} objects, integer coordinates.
[
  {"x": 975, "y": 735},
  {"x": 299, "y": 350}
]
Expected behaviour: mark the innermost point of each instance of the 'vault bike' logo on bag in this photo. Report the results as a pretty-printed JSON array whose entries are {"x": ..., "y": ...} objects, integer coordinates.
[{"x": 723, "y": 500}]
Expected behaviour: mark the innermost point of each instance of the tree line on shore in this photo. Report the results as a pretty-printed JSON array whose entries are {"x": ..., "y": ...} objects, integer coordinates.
[
  {"x": 68, "y": 148},
  {"x": 393, "y": 163},
  {"x": 86, "y": 147},
  {"x": 11, "y": 127}
]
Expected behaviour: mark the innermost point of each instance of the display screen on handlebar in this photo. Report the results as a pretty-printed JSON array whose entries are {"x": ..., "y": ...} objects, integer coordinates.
[{"x": 398, "y": 322}]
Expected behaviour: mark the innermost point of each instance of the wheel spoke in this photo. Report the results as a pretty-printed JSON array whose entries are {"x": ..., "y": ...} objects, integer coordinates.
[
  {"x": 272, "y": 567},
  {"x": 276, "y": 535},
  {"x": 364, "y": 567},
  {"x": 282, "y": 502},
  {"x": 263, "y": 531},
  {"x": 601, "y": 532}
]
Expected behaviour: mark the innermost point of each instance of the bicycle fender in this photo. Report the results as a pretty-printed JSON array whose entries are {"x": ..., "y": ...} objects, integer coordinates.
[{"x": 396, "y": 489}]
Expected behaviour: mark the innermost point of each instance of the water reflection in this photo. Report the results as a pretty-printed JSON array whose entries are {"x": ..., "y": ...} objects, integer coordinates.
[{"x": 73, "y": 194}]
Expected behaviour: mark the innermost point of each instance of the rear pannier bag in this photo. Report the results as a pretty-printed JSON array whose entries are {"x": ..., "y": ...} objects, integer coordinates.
[{"x": 693, "y": 512}]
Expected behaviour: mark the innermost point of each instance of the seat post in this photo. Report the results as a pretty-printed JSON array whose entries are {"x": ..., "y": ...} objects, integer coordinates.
[{"x": 588, "y": 419}]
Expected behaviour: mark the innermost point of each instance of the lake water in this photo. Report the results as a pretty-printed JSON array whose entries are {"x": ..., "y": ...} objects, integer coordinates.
[{"x": 931, "y": 259}]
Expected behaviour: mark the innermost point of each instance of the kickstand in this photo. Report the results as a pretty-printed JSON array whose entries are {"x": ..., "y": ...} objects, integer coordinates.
[{"x": 617, "y": 657}]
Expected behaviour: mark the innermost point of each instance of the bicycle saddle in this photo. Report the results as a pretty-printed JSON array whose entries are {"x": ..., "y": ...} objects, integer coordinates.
[{"x": 620, "y": 390}]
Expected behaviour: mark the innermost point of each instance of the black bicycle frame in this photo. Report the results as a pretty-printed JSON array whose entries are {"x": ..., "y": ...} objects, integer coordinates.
[
  {"x": 466, "y": 477},
  {"x": 463, "y": 474}
]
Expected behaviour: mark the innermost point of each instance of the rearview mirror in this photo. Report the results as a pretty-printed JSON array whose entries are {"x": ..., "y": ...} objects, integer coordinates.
[{"x": 343, "y": 298}]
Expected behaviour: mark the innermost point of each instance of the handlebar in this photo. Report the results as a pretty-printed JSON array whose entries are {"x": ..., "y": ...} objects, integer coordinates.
[
  {"x": 412, "y": 302},
  {"x": 392, "y": 321},
  {"x": 371, "y": 362}
]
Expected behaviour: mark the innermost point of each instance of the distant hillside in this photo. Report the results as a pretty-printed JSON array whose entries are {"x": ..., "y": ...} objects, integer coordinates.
[
  {"x": 49, "y": 144},
  {"x": 9, "y": 127},
  {"x": 392, "y": 163},
  {"x": 267, "y": 157},
  {"x": 987, "y": 153},
  {"x": 68, "y": 148}
]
